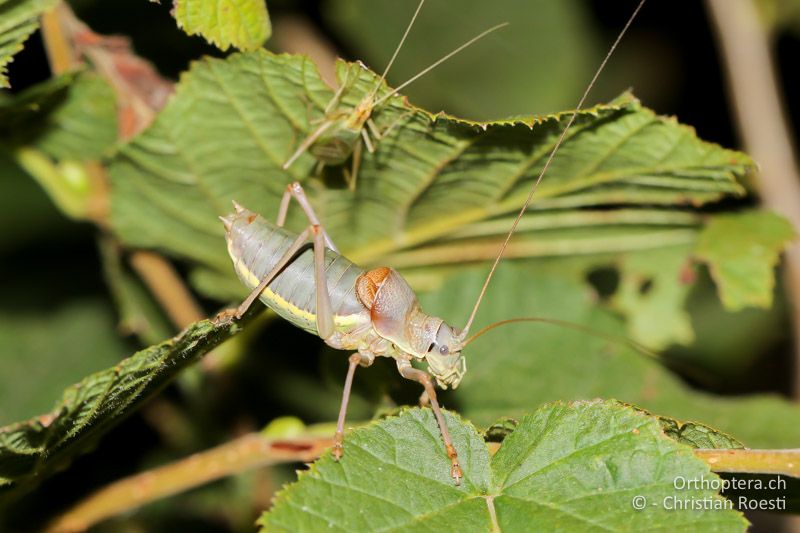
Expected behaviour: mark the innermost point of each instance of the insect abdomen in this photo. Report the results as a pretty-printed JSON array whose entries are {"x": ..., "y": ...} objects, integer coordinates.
[
  {"x": 256, "y": 245},
  {"x": 336, "y": 148}
]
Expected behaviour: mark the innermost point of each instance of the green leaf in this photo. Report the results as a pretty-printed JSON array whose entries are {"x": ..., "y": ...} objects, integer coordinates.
[
  {"x": 697, "y": 435},
  {"x": 54, "y": 127},
  {"x": 523, "y": 365},
  {"x": 18, "y": 20},
  {"x": 741, "y": 251},
  {"x": 693, "y": 434},
  {"x": 567, "y": 467},
  {"x": 652, "y": 293},
  {"x": 70, "y": 117},
  {"x": 241, "y": 23},
  {"x": 18, "y": 109},
  {"x": 30, "y": 450},
  {"x": 434, "y": 180},
  {"x": 728, "y": 345}
]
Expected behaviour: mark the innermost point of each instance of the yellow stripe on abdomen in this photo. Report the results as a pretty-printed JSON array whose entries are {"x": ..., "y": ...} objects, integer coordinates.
[{"x": 300, "y": 317}]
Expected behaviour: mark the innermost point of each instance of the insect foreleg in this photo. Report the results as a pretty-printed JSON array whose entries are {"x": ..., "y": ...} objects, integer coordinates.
[
  {"x": 307, "y": 142},
  {"x": 356, "y": 359},
  {"x": 367, "y": 141},
  {"x": 420, "y": 376},
  {"x": 352, "y": 175},
  {"x": 295, "y": 190}
]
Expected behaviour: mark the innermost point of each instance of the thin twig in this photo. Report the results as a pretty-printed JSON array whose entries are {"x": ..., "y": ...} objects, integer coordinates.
[
  {"x": 60, "y": 54},
  {"x": 245, "y": 453},
  {"x": 784, "y": 462},
  {"x": 761, "y": 122},
  {"x": 167, "y": 287}
]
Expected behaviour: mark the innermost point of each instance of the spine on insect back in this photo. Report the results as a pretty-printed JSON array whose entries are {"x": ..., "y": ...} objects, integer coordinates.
[{"x": 257, "y": 245}]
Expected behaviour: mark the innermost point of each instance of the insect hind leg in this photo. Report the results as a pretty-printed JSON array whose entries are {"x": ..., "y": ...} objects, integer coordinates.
[
  {"x": 295, "y": 190},
  {"x": 324, "y": 311}
]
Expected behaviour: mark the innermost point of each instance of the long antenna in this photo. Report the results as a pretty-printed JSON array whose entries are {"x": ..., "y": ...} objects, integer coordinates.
[
  {"x": 399, "y": 46},
  {"x": 546, "y": 166},
  {"x": 439, "y": 62},
  {"x": 616, "y": 339}
]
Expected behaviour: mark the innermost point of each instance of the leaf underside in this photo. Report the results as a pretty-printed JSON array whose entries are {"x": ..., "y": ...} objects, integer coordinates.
[
  {"x": 31, "y": 449},
  {"x": 70, "y": 117},
  {"x": 438, "y": 190}
]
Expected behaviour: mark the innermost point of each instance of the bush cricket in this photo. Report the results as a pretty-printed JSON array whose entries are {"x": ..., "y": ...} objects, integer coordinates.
[
  {"x": 344, "y": 131},
  {"x": 373, "y": 313}
]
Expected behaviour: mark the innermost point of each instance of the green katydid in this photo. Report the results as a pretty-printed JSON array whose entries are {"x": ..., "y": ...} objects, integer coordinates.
[{"x": 343, "y": 131}]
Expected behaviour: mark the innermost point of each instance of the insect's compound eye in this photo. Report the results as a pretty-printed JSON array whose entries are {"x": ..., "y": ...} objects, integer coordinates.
[{"x": 444, "y": 350}]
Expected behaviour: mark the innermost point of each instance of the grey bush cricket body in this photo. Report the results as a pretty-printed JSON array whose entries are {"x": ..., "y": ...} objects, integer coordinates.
[
  {"x": 373, "y": 313},
  {"x": 344, "y": 131}
]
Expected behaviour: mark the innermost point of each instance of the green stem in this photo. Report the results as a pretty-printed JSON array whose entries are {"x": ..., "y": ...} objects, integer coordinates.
[{"x": 67, "y": 183}]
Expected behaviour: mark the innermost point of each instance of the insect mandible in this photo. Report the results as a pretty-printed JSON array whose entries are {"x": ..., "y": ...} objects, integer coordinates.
[
  {"x": 373, "y": 313},
  {"x": 344, "y": 131}
]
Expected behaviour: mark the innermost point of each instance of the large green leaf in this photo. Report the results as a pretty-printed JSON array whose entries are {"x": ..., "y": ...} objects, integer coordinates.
[
  {"x": 524, "y": 365},
  {"x": 568, "y": 467},
  {"x": 18, "y": 19},
  {"x": 70, "y": 117},
  {"x": 225, "y": 23},
  {"x": 232, "y": 124},
  {"x": 29, "y": 450}
]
